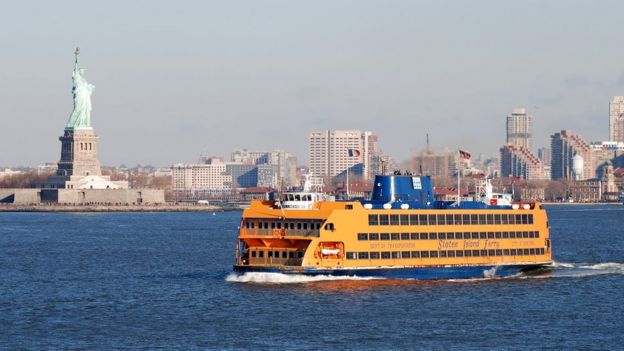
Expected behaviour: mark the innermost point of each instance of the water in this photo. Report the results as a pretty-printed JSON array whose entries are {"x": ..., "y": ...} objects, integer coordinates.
[{"x": 163, "y": 280}]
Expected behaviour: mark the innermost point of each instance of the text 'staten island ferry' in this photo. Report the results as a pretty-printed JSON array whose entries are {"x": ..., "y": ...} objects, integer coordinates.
[{"x": 401, "y": 232}]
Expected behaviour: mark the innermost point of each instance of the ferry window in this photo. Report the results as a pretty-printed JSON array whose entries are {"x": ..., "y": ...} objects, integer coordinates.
[
  {"x": 441, "y": 220},
  {"x": 433, "y": 254},
  {"x": 277, "y": 253},
  {"x": 505, "y": 235},
  {"x": 348, "y": 207},
  {"x": 396, "y": 254},
  {"x": 433, "y": 236},
  {"x": 525, "y": 219},
  {"x": 405, "y": 236},
  {"x": 531, "y": 235},
  {"x": 541, "y": 251},
  {"x": 373, "y": 236},
  {"x": 291, "y": 254},
  {"x": 405, "y": 254},
  {"x": 450, "y": 236},
  {"x": 476, "y": 253},
  {"x": 490, "y": 235},
  {"x": 270, "y": 253},
  {"x": 474, "y": 219},
  {"x": 491, "y": 252},
  {"x": 512, "y": 219},
  {"x": 297, "y": 197},
  {"x": 481, "y": 219},
  {"x": 451, "y": 253},
  {"x": 432, "y": 220},
  {"x": 413, "y": 219},
  {"x": 363, "y": 255},
  {"x": 423, "y": 219},
  {"x": 374, "y": 255},
  {"x": 394, "y": 236},
  {"x": 350, "y": 255},
  {"x": 284, "y": 254},
  {"x": 482, "y": 235},
  {"x": 385, "y": 255},
  {"x": 475, "y": 235},
  {"x": 512, "y": 252},
  {"x": 394, "y": 219},
  {"x": 253, "y": 254},
  {"x": 292, "y": 225},
  {"x": 497, "y": 219},
  {"x": 466, "y": 219},
  {"x": 383, "y": 219},
  {"x": 526, "y": 252},
  {"x": 530, "y": 219},
  {"x": 459, "y": 253},
  {"x": 458, "y": 219},
  {"x": 490, "y": 219},
  {"x": 415, "y": 254},
  {"x": 385, "y": 236},
  {"x": 518, "y": 219},
  {"x": 467, "y": 253},
  {"x": 373, "y": 220},
  {"x": 272, "y": 225},
  {"x": 299, "y": 226},
  {"x": 504, "y": 219},
  {"x": 404, "y": 219},
  {"x": 260, "y": 253},
  {"x": 362, "y": 236},
  {"x": 329, "y": 226},
  {"x": 424, "y": 254},
  {"x": 424, "y": 236},
  {"x": 449, "y": 219},
  {"x": 483, "y": 253},
  {"x": 499, "y": 252},
  {"x": 532, "y": 251},
  {"x": 537, "y": 234},
  {"x": 299, "y": 254},
  {"x": 442, "y": 236},
  {"x": 414, "y": 236},
  {"x": 442, "y": 253},
  {"x": 498, "y": 235},
  {"x": 512, "y": 235},
  {"x": 525, "y": 234},
  {"x": 505, "y": 252},
  {"x": 279, "y": 225}
]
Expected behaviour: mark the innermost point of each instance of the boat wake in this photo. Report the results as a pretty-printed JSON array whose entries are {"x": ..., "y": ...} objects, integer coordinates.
[
  {"x": 579, "y": 270},
  {"x": 280, "y": 278}
]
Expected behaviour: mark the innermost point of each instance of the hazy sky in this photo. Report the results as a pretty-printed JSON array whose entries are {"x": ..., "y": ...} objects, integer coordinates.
[{"x": 177, "y": 79}]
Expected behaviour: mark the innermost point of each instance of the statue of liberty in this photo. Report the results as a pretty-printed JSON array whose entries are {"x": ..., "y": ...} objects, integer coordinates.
[{"x": 81, "y": 115}]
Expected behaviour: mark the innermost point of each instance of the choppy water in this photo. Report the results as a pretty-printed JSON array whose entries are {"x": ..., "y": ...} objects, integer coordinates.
[{"x": 163, "y": 280}]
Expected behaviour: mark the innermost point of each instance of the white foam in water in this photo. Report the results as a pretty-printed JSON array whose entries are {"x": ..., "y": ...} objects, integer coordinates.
[
  {"x": 490, "y": 273},
  {"x": 280, "y": 278}
]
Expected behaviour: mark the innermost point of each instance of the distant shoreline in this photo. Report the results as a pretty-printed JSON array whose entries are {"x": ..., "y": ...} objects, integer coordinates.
[
  {"x": 583, "y": 203},
  {"x": 106, "y": 208}
]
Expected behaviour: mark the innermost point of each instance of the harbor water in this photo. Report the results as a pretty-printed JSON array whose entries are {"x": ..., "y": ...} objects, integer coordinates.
[{"x": 164, "y": 280}]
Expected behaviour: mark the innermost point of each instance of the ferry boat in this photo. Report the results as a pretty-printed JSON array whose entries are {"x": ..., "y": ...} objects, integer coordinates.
[{"x": 400, "y": 232}]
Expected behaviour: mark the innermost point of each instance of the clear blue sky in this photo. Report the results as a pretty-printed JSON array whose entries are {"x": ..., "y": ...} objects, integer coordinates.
[{"x": 175, "y": 79}]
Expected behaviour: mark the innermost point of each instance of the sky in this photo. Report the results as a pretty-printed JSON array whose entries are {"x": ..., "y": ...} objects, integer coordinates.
[{"x": 179, "y": 79}]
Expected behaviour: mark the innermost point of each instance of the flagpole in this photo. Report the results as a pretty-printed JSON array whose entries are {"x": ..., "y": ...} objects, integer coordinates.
[
  {"x": 458, "y": 180},
  {"x": 347, "y": 181}
]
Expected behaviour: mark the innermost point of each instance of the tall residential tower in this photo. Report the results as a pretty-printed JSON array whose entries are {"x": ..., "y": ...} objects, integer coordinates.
[
  {"x": 616, "y": 119},
  {"x": 520, "y": 128}
]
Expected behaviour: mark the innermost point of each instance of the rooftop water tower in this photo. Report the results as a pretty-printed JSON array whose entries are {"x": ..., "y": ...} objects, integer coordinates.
[{"x": 577, "y": 166}]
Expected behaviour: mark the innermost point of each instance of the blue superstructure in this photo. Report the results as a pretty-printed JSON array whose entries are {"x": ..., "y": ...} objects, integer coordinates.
[{"x": 406, "y": 191}]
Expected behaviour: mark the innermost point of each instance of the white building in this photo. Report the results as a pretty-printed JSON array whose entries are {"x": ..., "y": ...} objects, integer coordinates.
[
  {"x": 520, "y": 128},
  {"x": 329, "y": 152},
  {"x": 200, "y": 177}
]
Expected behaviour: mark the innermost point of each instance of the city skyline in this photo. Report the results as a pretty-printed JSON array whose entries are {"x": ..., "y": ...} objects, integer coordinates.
[{"x": 263, "y": 76}]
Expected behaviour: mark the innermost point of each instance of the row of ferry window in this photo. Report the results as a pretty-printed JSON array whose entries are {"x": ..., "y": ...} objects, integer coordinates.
[
  {"x": 277, "y": 253},
  {"x": 283, "y": 225},
  {"x": 448, "y": 236},
  {"x": 449, "y": 219},
  {"x": 375, "y": 255}
]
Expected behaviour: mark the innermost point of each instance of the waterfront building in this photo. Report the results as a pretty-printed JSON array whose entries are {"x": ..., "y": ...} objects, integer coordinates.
[
  {"x": 283, "y": 162},
  {"x": 586, "y": 191},
  {"x": 520, "y": 128},
  {"x": 519, "y": 161},
  {"x": 609, "y": 188},
  {"x": 201, "y": 178},
  {"x": 565, "y": 146},
  {"x": 330, "y": 154},
  {"x": 616, "y": 119}
]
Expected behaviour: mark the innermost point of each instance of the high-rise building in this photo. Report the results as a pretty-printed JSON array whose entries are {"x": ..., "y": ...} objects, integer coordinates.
[
  {"x": 330, "y": 155},
  {"x": 437, "y": 165},
  {"x": 564, "y": 165},
  {"x": 520, "y": 128},
  {"x": 518, "y": 161},
  {"x": 545, "y": 155},
  {"x": 284, "y": 161},
  {"x": 616, "y": 119}
]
